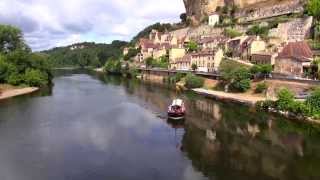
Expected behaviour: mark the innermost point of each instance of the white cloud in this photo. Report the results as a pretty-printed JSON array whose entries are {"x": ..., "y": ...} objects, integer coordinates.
[{"x": 48, "y": 23}]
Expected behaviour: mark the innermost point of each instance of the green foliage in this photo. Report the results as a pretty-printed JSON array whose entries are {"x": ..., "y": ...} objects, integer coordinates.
[
  {"x": 313, "y": 8},
  {"x": 192, "y": 46},
  {"x": 285, "y": 99},
  {"x": 34, "y": 77},
  {"x": 264, "y": 69},
  {"x": 149, "y": 61},
  {"x": 313, "y": 101},
  {"x": 131, "y": 53},
  {"x": 17, "y": 64},
  {"x": 194, "y": 67},
  {"x": 241, "y": 81},
  {"x": 157, "y": 26},
  {"x": 113, "y": 66},
  {"x": 261, "y": 87},
  {"x": 86, "y": 54},
  {"x": 11, "y": 39},
  {"x": 172, "y": 79},
  {"x": 193, "y": 81},
  {"x": 162, "y": 62},
  {"x": 183, "y": 17},
  {"x": 237, "y": 76},
  {"x": 258, "y": 30},
  {"x": 232, "y": 33}
]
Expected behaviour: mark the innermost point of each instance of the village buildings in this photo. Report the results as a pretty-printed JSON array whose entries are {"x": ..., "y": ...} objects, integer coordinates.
[{"x": 294, "y": 59}]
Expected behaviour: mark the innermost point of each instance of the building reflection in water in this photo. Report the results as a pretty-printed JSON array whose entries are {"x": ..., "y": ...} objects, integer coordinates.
[{"x": 228, "y": 141}]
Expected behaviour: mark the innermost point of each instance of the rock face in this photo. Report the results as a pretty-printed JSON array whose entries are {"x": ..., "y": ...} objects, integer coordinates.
[{"x": 197, "y": 9}]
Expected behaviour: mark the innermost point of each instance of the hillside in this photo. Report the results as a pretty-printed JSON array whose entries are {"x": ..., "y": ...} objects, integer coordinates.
[{"x": 85, "y": 54}]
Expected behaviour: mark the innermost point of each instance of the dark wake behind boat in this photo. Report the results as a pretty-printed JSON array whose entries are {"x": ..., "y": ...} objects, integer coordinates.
[{"x": 177, "y": 109}]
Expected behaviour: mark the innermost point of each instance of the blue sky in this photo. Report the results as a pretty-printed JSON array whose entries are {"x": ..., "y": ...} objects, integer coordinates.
[{"x": 51, "y": 23}]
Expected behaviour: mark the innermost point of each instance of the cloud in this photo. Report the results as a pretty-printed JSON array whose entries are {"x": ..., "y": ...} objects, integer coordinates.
[{"x": 48, "y": 23}]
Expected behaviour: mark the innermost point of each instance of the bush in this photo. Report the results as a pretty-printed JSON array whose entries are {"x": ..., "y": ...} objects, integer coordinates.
[
  {"x": 261, "y": 87},
  {"x": 242, "y": 85},
  {"x": 232, "y": 33},
  {"x": 285, "y": 99},
  {"x": 313, "y": 101},
  {"x": 15, "y": 79},
  {"x": 193, "y": 81},
  {"x": 299, "y": 108},
  {"x": 113, "y": 66},
  {"x": 36, "y": 78}
]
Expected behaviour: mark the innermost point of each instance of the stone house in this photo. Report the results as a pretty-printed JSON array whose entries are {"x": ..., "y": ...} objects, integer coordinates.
[
  {"x": 207, "y": 61},
  {"x": 214, "y": 19},
  {"x": 294, "y": 59}
]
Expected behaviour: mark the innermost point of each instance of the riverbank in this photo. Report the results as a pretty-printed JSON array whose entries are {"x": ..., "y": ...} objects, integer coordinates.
[
  {"x": 7, "y": 91},
  {"x": 246, "y": 99}
]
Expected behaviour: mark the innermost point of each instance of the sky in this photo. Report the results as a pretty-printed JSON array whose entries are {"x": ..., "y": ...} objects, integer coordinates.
[{"x": 52, "y": 23}]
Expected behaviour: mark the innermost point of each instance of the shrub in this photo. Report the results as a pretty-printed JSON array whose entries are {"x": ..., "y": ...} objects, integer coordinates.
[
  {"x": 299, "y": 108},
  {"x": 193, "y": 81},
  {"x": 285, "y": 99},
  {"x": 261, "y": 87},
  {"x": 232, "y": 33},
  {"x": 242, "y": 85},
  {"x": 313, "y": 101},
  {"x": 15, "y": 79},
  {"x": 34, "y": 77}
]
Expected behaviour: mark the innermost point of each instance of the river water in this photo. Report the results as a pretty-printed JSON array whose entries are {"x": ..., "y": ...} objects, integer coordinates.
[{"x": 95, "y": 127}]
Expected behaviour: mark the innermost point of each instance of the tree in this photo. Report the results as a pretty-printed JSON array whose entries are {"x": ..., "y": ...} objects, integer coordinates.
[
  {"x": 232, "y": 33},
  {"x": 149, "y": 62},
  {"x": 183, "y": 17},
  {"x": 258, "y": 30},
  {"x": 313, "y": 8},
  {"x": 192, "y": 46},
  {"x": 313, "y": 101},
  {"x": 193, "y": 81},
  {"x": 11, "y": 39},
  {"x": 194, "y": 67},
  {"x": 285, "y": 99}
]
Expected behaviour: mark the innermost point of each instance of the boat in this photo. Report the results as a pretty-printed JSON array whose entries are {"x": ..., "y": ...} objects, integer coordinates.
[{"x": 176, "y": 110}]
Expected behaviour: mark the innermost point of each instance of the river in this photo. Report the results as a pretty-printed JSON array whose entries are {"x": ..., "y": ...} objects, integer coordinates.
[{"x": 96, "y": 127}]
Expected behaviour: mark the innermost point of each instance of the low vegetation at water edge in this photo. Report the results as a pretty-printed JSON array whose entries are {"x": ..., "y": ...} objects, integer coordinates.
[{"x": 286, "y": 103}]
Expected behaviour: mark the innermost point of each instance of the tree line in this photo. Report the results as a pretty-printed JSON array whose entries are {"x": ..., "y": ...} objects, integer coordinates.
[{"x": 18, "y": 64}]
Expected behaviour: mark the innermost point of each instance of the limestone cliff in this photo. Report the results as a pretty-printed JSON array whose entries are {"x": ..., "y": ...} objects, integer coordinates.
[{"x": 198, "y": 9}]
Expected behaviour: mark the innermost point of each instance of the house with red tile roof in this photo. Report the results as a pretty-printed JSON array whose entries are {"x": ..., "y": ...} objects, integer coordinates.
[{"x": 294, "y": 59}]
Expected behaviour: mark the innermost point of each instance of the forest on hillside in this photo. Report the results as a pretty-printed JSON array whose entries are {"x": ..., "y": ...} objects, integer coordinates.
[{"x": 85, "y": 54}]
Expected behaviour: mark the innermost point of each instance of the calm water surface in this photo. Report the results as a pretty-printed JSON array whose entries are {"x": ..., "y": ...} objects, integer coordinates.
[{"x": 93, "y": 127}]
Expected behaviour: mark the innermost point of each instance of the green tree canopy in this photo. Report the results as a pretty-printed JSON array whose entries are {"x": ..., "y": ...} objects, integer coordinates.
[
  {"x": 313, "y": 8},
  {"x": 192, "y": 46},
  {"x": 11, "y": 38}
]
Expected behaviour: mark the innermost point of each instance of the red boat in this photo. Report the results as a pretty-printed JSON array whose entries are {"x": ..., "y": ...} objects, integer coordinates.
[{"x": 177, "y": 109}]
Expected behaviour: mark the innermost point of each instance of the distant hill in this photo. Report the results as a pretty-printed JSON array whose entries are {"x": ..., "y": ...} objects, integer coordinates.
[{"x": 85, "y": 54}]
